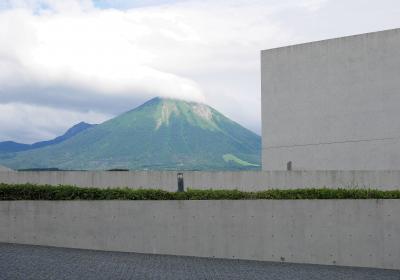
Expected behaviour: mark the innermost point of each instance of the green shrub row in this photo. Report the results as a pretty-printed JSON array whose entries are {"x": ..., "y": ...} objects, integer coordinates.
[{"x": 46, "y": 192}]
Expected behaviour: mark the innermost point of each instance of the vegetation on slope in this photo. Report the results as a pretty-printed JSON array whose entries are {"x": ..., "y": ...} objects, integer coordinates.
[
  {"x": 46, "y": 192},
  {"x": 161, "y": 134},
  {"x": 230, "y": 157}
]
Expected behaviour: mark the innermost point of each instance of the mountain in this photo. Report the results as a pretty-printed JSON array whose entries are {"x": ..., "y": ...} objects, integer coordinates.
[
  {"x": 12, "y": 147},
  {"x": 68, "y": 134},
  {"x": 3, "y": 168},
  {"x": 161, "y": 134}
]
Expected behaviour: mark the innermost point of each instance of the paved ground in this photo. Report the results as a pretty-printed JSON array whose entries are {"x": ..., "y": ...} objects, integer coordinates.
[{"x": 36, "y": 262}]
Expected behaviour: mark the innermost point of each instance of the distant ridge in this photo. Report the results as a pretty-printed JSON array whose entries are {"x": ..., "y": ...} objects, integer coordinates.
[
  {"x": 3, "y": 168},
  {"x": 12, "y": 147},
  {"x": 161, "y": 134}
]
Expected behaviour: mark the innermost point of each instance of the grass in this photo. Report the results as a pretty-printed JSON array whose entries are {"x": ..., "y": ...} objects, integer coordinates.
[
  {"x": 46, "y": 192},
  {"x": 230, "y": 157}
]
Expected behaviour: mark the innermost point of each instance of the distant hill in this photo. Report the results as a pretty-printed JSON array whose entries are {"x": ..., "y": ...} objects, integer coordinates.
[
  {"x": 3, "y": 168},
  {"x": 161, "y": 134},
  {"x": 12, "y": 147}
]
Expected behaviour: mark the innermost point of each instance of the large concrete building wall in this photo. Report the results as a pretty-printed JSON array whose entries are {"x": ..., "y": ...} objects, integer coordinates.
[
  {"x": 333, "y": 104},
  {"x": 244, "y": 180},
  {"x": 336, "y": 232}
]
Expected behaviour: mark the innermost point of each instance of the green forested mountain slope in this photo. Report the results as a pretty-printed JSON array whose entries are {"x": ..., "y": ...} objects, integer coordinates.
[{"x": 161, "y": 134}]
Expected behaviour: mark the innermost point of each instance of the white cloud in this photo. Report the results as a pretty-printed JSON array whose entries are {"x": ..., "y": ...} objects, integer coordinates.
[
  {"x": 65, "y": 6},
  {"x": 93, "y": 51},
  {"x": 73, "y": 57},
  {"x": 28, "y": 124},
  {"x": 312, "y": 5}
]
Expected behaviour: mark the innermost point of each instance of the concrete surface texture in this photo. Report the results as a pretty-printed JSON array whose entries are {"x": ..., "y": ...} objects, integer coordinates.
[
  {"x": 363, "y": 233},
  {"x": 244, "y": 180},
  {"x": 333, "y": 104},
  {"x": 36, "y": 262}
]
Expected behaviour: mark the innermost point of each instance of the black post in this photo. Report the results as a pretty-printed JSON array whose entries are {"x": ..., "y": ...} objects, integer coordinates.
[
  {"x": 289, "y": 166},
  {"x": 181, "y": 186}
]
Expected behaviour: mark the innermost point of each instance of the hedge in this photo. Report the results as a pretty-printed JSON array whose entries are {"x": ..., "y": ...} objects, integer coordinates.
[{"x": 47, "y": 192}]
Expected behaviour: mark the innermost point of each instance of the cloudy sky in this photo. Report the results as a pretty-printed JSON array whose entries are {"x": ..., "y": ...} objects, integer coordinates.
[{"x": 66, "y": 61}]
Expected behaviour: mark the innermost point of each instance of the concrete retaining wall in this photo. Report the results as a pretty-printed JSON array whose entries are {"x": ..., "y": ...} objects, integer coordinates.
[
  {"x": 245, "y": 180},
  {"x": 336, "y": 232}
]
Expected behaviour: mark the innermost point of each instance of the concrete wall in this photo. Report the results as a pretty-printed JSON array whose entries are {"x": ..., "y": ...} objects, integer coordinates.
[
  {"x": 333, "y": 104},
  {"x": 248, "y": 181},
  {"x": 337, "y": 232}
]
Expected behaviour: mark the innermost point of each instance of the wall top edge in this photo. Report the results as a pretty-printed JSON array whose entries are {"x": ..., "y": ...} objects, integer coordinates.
[
  {"x": 203, "y": 172},
  {"x": 319, "y": 42}
]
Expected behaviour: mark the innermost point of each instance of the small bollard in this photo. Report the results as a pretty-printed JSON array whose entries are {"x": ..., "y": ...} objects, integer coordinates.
[{"x": 181, "y": 186}]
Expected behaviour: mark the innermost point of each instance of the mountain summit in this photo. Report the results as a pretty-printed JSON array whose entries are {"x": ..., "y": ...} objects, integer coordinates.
[{"x": 161, "y": 134}]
